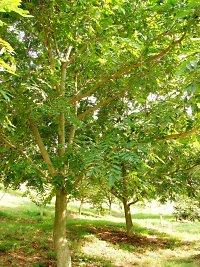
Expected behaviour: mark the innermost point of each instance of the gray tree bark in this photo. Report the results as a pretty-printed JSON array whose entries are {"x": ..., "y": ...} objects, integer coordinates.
[{"x": 59, "y": 232}]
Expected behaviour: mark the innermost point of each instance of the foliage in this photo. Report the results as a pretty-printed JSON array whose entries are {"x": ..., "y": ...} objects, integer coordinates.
[
  {"x": 135, "y": 112},
  {"x": 7, "y": 62},
  {"x": 187, "y": 209},
  {"x": 41, "y": 198},
  {"x": 180, "y": 171}
]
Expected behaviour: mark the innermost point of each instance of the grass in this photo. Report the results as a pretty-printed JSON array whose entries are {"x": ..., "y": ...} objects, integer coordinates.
[{"x": 26, "y": 238}]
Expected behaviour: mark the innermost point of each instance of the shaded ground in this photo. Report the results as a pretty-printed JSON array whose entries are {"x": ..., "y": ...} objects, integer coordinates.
[
  {"x": 20, "y": 258},
  {"x": 26, "y": 241},
  {"x": 139, "y": 241}
]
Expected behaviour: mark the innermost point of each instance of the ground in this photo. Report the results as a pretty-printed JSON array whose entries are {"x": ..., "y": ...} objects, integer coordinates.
[{"x": 26, "y": 238}]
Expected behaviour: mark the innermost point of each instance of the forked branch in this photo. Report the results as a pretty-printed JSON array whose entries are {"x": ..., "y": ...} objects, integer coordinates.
[{"x": 125, "y": 70}]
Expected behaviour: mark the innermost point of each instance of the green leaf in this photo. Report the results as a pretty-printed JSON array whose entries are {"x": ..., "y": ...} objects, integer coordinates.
[
  {"x": 5, "y": 67},
  {"x": 13, "y": 5},
  {"x": 6, "y": 45}
]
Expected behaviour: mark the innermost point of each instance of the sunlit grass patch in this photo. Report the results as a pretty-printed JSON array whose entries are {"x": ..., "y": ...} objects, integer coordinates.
[
  {"x": 109, "y": 241},
  {"x": 187, "y": 231},
  {"x": 26, "y": 239},
  {"x": 97, "y": 248},
  {"x": 183, "y": 261}
]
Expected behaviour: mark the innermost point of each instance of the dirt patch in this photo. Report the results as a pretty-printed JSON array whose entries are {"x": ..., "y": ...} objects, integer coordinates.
[
  {"x": 19, "y": 258},
  {"x": 120, "y": 237},
  {"x": 197, "y": 259},
  {"x": 18, "y": 220}
]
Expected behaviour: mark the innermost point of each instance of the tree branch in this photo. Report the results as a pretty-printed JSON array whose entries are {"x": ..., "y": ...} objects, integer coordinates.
[
  {"x": 178, "y": 135},
  {"x": 125, "y": 70},
  {"x": 46, "y": 28},
  {"x": 107, "y": 100},
  {"x": 101, "y": 103},
  {"x": 56, "y": 44},
  {"x": 187, "y": 169},
  {"x": 116, "y": 194},
  {"x": 42, "y": 148},
  {"x": 73, "y": 128},
  {"x": 61, "y": 119},
  {"x": 133, "y": 202},
  {"x": 6, "y": 141},
  {"x": 67, "y": 54},
  {"x": 80, "y": 178},
  {"x": 23, "y": 153}
]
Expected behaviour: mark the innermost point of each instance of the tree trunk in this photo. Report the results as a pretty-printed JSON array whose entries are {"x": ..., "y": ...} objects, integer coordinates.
[
  {"x": 110, "y": 206},
  {"x": 59, "y": 234},
  {"x": 41, "y": 211},
  {"x": 110, "y": 209},
  {"x": 127, "y": 211},
  {"x": 80, "y": 206}
]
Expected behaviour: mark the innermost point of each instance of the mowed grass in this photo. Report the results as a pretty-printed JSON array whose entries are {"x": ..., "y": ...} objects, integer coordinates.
[{"x": 26, "y": 238}]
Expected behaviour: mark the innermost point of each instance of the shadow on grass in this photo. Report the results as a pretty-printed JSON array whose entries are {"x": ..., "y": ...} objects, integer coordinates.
[
  {"x": 114, "y": 233},
  {"x": 32, "y": 240},
  {"x": 193, "y": 261},
  {"x": 5, "y": 215},
  {"x": 90, "y": 261}
]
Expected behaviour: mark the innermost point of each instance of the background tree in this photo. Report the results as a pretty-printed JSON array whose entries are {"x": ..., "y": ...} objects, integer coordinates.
[
  {"x": 84, "y": 191},
  {"x": 39, "y": 197}
]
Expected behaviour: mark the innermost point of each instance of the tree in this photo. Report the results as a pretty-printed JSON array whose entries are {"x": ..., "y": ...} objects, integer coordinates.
[
  {"x": 121, "y": 165},
  {"x": 140, "y": 159},
  {"x": 40, "y": 198},
  {"x": 180, "y": 173},
  {"x": 94, "y": 188},
  {"x": 78, "y": 63},
  {"x": 83, "y": 192}
]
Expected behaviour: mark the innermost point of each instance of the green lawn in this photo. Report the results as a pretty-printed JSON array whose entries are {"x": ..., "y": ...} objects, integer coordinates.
[{"x": 25, "y": 238}]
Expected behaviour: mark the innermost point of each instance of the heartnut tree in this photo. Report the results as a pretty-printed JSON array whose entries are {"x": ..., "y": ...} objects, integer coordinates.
[{"x": 80, "y": 62}]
